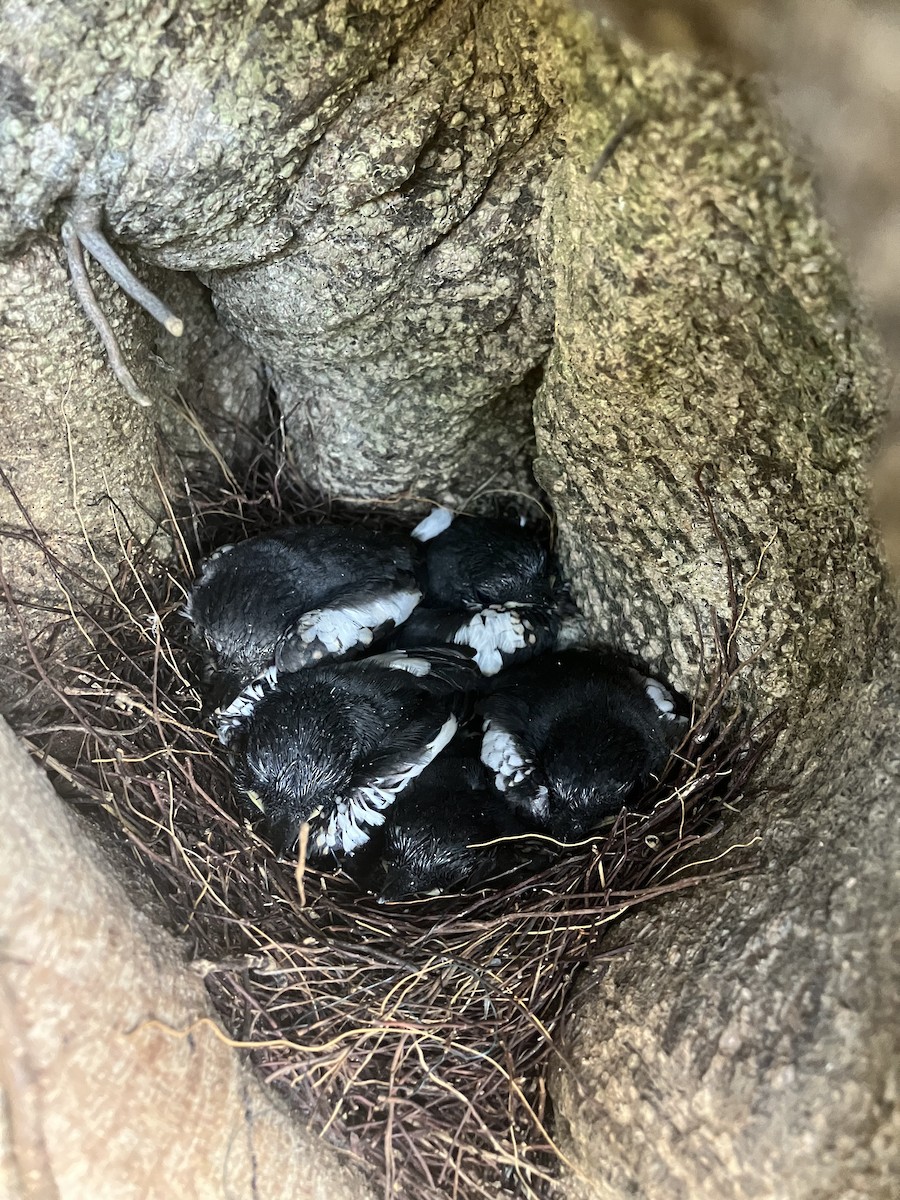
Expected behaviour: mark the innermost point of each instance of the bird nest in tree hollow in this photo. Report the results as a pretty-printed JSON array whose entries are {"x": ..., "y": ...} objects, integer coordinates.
[{"x": 417, "y": 1037}]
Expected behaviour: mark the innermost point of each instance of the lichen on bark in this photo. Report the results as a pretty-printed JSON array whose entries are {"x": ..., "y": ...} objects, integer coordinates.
[
  {"x": 706, "y": 330},
  {"x": 400, "y": 206},
  {"x": 359, "y": 185},
  {"x": 746, "y": 1045},
  {"x": 408, "y": 310}
]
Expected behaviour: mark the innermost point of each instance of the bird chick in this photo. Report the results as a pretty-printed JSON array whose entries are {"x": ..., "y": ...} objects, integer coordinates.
[
  {"x": 335, "y": 744},
  {"x": 435, "y": 833},
  {"x": 488, "y": 585},
  {"x": 572, "y": 737},
  {"x": 294, "y": 597}
]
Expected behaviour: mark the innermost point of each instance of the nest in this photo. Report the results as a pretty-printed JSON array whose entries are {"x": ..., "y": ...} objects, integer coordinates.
[{"x": 418, "y": 1037}]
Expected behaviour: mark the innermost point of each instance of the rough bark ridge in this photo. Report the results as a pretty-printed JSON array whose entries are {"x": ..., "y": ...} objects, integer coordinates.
[
  {"x": 833, "y": 67},
  {"x": 705, "y": 325},
  {"x": 309, "y": 156},
  {"x": 359, "y": 185},
  {"x": 85, "y": 463},
  {"x": 705, "y": 329},
  {"x": 98, "y": 1101},
  {"x": 747, "y": 1046},
  {"x": 187, "y": 122},
  {"x": 409, "y": 310}
]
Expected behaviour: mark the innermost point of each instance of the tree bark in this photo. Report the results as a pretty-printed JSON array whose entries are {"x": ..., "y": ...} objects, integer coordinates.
[
  {"x": 408, "y": 314},
  {"x": 710, "y": 360},
  {"x": 397, "y": 205},
  {"x": 115, "y": 1083},
  {"x": 831, "y": 67},
  {"x": 708, "y": 411},
  {"x": 85, "y": 469},
  {"x": 747, "y": 1045},
  {"x": 360, "y": 191}
]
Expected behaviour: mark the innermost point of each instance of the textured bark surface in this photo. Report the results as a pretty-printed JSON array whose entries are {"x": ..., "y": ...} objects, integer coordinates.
[
  {"x": 832, "y": 65},
  {"x": 188, "y": 122},
  {"x": 832, "y": 69},
  {"x": 747, "y": 1046},
  {"x": 706, "y": 329},
  {"x": 358, "y": 184},
  {"x": 390, "y": 200},
  {"x": 83, "y": 461},
  {"x": 408, "y": 310},
  {"x": 98, "y": 1100}
]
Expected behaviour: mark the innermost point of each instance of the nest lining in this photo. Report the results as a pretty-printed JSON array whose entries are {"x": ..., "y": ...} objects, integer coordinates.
[{"x": 418, "y": 1037}]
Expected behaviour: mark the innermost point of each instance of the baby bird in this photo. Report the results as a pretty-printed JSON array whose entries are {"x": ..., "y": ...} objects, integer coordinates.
[
  {"x": 432, "y": 833},
  {"x": 294, "y": 597},
  {"x": 573, "y": 736},
  {"x": 334, "y": 745},
  {"x": 488, "y": 585}
]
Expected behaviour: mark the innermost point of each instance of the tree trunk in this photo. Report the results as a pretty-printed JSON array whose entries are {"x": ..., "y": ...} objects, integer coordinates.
[
  {"x": 360, "y": 190},
  {"x": 84, "y": 467},
  {"x": 117, "y": 1080},
  {"x": 399, "y": 206},
  {"x": 747, "y": 1045},
  {"x": 713, "y": 393},
  {"x": 832, "y": 72}
]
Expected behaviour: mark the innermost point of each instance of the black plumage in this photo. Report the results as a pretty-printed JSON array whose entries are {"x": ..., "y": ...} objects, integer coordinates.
[
  {"x": 573, "y": 736},
  {"x": 483, "y": 560},
  {"x": 489, "y": 584},
  {"x": 297, "y": 596},
  {"x": 435, "y": 833},
  {"x": 333, "y": 745}
]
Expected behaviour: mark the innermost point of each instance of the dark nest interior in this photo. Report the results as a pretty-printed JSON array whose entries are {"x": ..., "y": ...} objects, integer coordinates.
[{"x": 418, "y": 1037}]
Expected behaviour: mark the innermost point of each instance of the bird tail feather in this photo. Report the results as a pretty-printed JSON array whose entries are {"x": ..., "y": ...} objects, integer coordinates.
[{"x": 436, "y": 522}]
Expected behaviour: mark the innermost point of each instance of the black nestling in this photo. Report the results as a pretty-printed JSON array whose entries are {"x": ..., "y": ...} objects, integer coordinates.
[
  {"x": 335, "y": 744},
  {"x": 435, "y": 833},
  {"x": 573, "y": 736},
  {"x": 488, "y": 584},
  {"x": 294, "y": 597}
]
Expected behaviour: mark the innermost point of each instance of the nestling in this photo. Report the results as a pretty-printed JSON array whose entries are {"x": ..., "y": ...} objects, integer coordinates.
[
  {"x": 295, "y": 597},
  {"x": 435, "y": 833},
  {"x": 489, "y": 585},
  {"x": 574, "y": 736},
  {"x": 335, "y": 744}
]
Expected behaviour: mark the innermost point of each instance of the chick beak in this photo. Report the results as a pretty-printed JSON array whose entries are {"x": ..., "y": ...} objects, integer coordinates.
[
  {"x": 283, "y": 835},
  {"x": 256, "y": 800}
]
